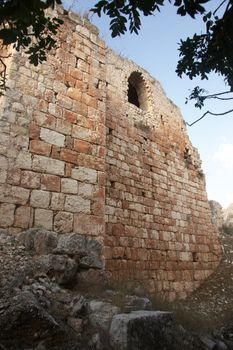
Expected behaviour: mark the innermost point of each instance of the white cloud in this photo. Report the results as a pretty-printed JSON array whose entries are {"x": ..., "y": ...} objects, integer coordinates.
[{"x": 224, "y": 155}]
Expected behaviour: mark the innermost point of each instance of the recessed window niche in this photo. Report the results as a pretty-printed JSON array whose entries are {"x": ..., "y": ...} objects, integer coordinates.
[{"x": 137, "y": 94}]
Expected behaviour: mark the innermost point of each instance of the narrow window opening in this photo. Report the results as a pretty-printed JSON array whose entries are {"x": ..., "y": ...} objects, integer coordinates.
[
  {"x": 133, "y": 96},
  {"x": 137, "y": 92},
  {"x": 195, "y": 257}
]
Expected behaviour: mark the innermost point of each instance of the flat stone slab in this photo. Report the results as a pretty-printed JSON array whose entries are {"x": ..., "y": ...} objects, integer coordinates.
[{"x": 142, "y": 330}]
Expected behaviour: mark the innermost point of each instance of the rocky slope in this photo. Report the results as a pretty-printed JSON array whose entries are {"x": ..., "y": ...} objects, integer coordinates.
[{"x": 53, "y": 296}]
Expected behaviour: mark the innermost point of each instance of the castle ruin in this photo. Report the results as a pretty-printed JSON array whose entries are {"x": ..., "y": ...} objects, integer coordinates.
[{"x": 89, "y": 143}]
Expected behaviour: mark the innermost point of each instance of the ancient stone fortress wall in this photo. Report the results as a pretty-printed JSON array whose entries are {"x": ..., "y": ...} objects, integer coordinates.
[
  {"x": 89, "y": 143},
  {"x": 158, "y": 223}
]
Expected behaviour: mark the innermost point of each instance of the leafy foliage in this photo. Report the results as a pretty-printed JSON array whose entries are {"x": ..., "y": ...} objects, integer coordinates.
[
  {"x": 122, "y": 12},
  {"x": 25, "y": 24}
]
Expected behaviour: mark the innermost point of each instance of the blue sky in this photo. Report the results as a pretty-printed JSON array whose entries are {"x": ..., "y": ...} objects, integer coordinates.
[{"x": 155, "y": 49}]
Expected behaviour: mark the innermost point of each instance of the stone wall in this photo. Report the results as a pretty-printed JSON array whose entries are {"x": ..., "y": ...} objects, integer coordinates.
[
  {"x": 52, "y": 140},
  {"x": 76, "y": 155},
  {"x": 158, "y": 228}
]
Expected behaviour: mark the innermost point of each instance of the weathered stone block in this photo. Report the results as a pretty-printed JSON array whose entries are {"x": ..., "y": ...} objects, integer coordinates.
[
  {"x": 40, "y": 199},
  {"x": 13, "y": 176},
  {"x": 84, "y": 175},
  {"x": 85, "y": 190},
  {"x": 50, "y": 182},
  {"x": 77, "y": 204},
  {"x": 57, "y": 201},
  {"x": 14, "y": 194},
  {"x": 63, "y": 222},
  {"x": 3, "y": 162},
  {"x": 3, "y": 176},
  {"x": 40, "y": 147},
  {"x": 24, "y": 160},
  {"x": 6, "y": 214},
  {"x": 89, "y": 224},
  {"x": 101, "y": 314},
  {"x": 69, "y": 156},
  {"x": 139, "y": 330},
  {"x": 81, "y": 133},
  {"x": 52, "y": 137},
  {"x": 22, "y": 217},
  {"x": 43, "y": 218},
  {"x": 69, "y": 186},
  {"x": 48, "y": 165},
  {"x": 82, "y": 146},
  {"x": 30, "y": 179}
]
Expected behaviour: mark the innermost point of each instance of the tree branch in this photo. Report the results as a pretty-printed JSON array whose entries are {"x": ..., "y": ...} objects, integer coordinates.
[
  {"x": 219, "y": 7},
  {"x": 218, "y": 94},
  {"x": 3, "y": 75},
  {"x": 208, "y": 112}
]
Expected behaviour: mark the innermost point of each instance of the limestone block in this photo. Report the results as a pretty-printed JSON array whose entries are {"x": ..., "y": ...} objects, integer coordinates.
[
  {"x": 57, "y": 201},
  {"x": 74, "y": 94},
  {"x": 30, "y": 179},
  {"x": 69, "y": 186},
  {"x": 77, "y": 204},
  {"x": 81, "y": 133},
  {"x": 52, "y": 137},
  {"x": 44, "y": 218},
  {"x": 85, "y": 190},
  {"x": 14, "y": 194},
  {"x": 63, "y": 126},
  {"x": 13, "y": 176},
  {"x": 84, "y": 175},
  {"x": 69, "y": 156},
  {"x": 40, "y": 199},
  {"x": 24, "y": 160},
  {"x": 3, "y": 163},
  {"x": 40, "y": 147},
  {"x": 22, "y": 217},
  {"x": 142, "y": 329},
  {"x": 50, "y": 182},
  {"x": 48, "y": 165},
  {"x": 63, "y": 222},
  {"x": 3, "y": 175},
  {"x": 89, "y": 224},
  {"x": 185, "y": 256},
  {"x": 6, "y": 214}
]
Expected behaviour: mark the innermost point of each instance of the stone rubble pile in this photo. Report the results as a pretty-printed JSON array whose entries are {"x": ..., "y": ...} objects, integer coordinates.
[{"x": 45, "y": 305}]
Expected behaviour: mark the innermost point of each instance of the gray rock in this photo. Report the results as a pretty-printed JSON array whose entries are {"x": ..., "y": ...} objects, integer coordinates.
[
  {"x": 134, "y": 303},
  {"x": 79, "y": 304},
  {"x": 142, "y": 330},
  {"x": 71, "y": 244},
  {"x": 209, "y": 343},
  {"x": 61, "y": 267},
  {"x": 45, "y": 241},
  {"x": 100, "y": 314},
  {"x": 86, "y": 249},
  {"x": 220, "y": 345},
  {"x": 28, "y": 237},
  {"x": 24, "y": 318},
  {"x": 90, "y": 261},
  {"x": 76, "y": 324},
  {"x": 40, "y": 240}
]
